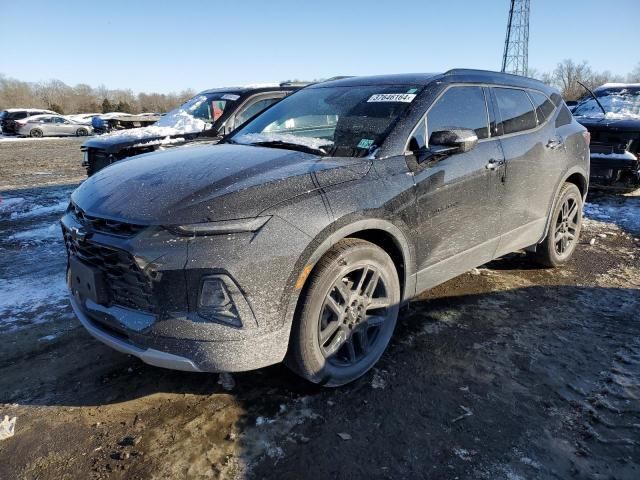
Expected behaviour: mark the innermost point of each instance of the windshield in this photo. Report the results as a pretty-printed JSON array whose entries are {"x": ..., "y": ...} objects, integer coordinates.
[
  {"x": 339, "y": 121},
  {"x": 198, "y": 113},
  {"x": 621, "y": 102}
]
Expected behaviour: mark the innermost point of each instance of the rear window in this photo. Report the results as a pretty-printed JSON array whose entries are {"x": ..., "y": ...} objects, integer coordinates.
[
  {"x": 459, "y": 107},
  {"x": 516, "y": 110},
  {"x": 544, "y": 106}
]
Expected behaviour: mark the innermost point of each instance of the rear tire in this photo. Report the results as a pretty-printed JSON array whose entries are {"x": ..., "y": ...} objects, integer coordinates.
[
  {"x": 35, "y": 133},
  {"x": 564, "y": 229},
  {"x": 346, "y": 315}
]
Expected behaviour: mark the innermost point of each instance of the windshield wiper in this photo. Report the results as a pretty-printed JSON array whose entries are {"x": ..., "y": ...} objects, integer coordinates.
[
  {"x": 290, "y": 146},
  {"x": 594, "y": 97}
]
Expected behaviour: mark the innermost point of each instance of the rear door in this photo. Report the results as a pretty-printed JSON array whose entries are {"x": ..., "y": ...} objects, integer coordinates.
[
  {"x": 458, "y": 198},
  {"x": 529, "y": 146}
]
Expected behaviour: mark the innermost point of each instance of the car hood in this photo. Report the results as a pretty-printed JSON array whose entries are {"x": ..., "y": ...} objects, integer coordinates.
[
  {"x": 622, "y": 124},
  {"x": 208, "y": 183}
]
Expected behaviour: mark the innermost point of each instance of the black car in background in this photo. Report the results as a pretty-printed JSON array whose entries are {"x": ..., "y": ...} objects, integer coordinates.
[
  {"x": 209, "y": 115},
  {"x": 8, "y": 118},
  {"x": 613, "y": 119},
  {"x": 300, "y": 235}
]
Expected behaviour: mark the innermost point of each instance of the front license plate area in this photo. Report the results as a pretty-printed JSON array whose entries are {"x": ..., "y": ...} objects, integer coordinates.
[{"x": 86, "y": 281}]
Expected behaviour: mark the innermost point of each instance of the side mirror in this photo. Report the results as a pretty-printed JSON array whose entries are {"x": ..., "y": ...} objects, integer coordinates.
[{"x": 457, "y": 140}]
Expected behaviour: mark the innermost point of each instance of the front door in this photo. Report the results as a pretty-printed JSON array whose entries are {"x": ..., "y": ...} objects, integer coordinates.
[{"x": 459, "y": 198}]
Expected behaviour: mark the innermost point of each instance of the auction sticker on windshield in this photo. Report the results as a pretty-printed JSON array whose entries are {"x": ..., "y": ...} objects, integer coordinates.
[{"x": 392, "y": 97}]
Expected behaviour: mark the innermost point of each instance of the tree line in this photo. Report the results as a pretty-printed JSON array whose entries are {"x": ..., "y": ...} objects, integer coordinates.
[
  {"x": 62, "y": 98},
  {"x": 65, "y": 99},
  {"x": 567, "y": 76}
]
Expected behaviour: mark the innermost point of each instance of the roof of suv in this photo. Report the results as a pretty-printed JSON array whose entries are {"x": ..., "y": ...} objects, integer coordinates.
[
  {"x": 455, "y": 75},
  {"x": 266, "y": 87}
]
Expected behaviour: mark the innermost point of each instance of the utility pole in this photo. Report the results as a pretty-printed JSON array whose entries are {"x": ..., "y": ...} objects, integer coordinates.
[{"x": 516, "y": 44}]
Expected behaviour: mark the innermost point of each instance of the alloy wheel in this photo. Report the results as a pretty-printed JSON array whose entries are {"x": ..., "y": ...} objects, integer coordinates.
[
  {"x": 566, "y": 228},
  {"x": 354, "y": 312}
]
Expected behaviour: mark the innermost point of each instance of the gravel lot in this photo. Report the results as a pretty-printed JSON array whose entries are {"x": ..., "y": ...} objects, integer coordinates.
[{"x": 506, "y": 372}]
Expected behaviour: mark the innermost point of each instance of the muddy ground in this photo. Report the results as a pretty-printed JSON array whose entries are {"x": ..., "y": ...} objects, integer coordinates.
[{"x": 506, "y": 372}]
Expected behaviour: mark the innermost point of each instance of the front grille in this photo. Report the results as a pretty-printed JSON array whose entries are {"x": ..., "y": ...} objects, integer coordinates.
[
  {"x": 102, "y": 225},
  {"x": 127, "y": 285}
]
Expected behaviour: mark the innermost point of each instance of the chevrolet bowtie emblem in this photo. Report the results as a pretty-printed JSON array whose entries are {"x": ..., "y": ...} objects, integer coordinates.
[{"x": 78, "y": 234}]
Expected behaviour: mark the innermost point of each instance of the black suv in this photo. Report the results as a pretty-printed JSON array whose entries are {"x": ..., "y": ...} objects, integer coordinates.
[
  {"x": 612, "y": 116},
  {"x": 8, "y": 118},
  {"x": 208, "y": 116},
  {"x": 301, "y": 234}
]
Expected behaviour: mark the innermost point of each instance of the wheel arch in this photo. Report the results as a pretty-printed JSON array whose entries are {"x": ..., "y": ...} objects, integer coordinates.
[
  {"x": 579, "y": 178},
  {"x": 380, "y": 232}
]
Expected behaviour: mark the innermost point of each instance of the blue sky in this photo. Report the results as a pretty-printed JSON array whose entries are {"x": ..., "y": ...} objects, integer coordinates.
[{"x": 169, "y": 46}]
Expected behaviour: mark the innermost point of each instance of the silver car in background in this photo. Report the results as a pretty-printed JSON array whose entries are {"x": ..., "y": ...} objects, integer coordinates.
[{"x": 51, "y": 126}]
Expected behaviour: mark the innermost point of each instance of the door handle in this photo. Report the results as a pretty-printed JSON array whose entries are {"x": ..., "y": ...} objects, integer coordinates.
[
  {"x": 493, "y": 164},
  {"x": 554, "y": 143}
]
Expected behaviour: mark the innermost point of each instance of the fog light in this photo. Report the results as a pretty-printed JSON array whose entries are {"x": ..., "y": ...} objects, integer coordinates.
[{"x": 215, "y": 302}]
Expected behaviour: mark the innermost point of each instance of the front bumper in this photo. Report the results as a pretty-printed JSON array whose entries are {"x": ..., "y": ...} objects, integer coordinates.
[
  {"x": 181, "y": 353},
  {"x": 148, "y": 355},
  {"x": 151, "y": 311}
]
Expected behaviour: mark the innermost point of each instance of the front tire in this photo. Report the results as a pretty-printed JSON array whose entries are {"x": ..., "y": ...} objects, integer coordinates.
[
  {"x": 564, "y": 229},
  {"x": 346, "y": 315},
  {"x": 82, "y": 132}
]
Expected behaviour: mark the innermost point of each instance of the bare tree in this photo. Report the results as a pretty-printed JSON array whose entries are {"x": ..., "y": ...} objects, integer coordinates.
[{"x": 634, "y": 76}]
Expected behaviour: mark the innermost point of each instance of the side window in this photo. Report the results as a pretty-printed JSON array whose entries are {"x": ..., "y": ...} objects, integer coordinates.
[
  {"x": 254, "y": 109},
  {"x": 564, "y": 117},
  {"x": 460, "y": 107},
  {"x": 544, "y": 107},
  {"x": 516, "y": 110},
  {"x": 58, "y": 120}
]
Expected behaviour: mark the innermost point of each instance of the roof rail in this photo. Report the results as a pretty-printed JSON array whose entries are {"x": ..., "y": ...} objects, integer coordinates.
[
  {"x": 468, "y": 71},
  {"x": 337, "y": 77},
  {"x": 294, "y": 84}
]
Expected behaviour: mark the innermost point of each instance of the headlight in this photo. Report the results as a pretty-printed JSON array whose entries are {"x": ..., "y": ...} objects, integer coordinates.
[{"x": 223, "y": 227}]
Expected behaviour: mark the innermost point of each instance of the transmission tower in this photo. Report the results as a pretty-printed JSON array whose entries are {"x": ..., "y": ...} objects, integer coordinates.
[{"x": 516, "y": 44}]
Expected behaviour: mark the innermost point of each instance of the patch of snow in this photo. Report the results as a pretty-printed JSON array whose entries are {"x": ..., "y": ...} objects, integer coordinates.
[
  {"x": 41, "y": 210},
  {"x": 13, "y": 138},
  {"x": 624, "y": 212},
  {"x": 615, "y": 156},
  {"x": 38, "y": 234},
  {"x": 619, "y": 105},
  {"x": 24, "y": 296},
  {"x": 252, "y": 138},
  {"x": 47, "y": 338},
  {"x": 10, "y": 203}
]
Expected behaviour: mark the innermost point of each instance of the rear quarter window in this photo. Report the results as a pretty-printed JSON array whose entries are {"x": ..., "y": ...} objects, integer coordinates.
[
  {"x": 564, "y": 116},
  {"x": 516, "y": 110},
  {"x": 544, "y": 106}
]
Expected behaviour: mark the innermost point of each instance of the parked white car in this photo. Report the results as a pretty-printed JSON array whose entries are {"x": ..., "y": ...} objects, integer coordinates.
[{"x": 51, "y": 126}]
